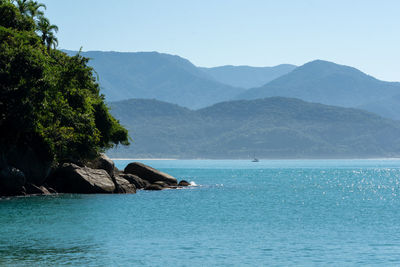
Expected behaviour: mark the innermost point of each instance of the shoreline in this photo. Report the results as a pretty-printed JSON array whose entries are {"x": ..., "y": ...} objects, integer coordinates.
[
  {"x": 143, "y": 159},
  {"x": 260, "y": 159}
]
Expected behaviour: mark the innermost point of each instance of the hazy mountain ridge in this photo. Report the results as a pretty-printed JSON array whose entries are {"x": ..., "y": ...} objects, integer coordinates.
[
  {"x": 328, "y": 83},
  {"x": 272, "y": 128},
  {"x": 247, "y": 76},
  {"x": 155, "y": 75},
  {"x": 388, "y": 107}
]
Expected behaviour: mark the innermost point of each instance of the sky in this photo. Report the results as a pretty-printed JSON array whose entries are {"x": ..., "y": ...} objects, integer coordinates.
[{"x": 361, "y": 33}]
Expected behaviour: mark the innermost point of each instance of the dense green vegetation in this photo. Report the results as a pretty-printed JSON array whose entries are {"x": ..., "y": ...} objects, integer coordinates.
[
  {"x": 49, "y": 101},
  {"x": 271, "y": 128}
]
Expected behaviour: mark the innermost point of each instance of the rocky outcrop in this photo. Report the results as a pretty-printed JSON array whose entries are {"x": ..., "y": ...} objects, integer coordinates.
[
  {"x": 32, "y": 189},
  {"x": 153, "y": 187},
  {"x": 148, "y": 173},
  {"x": 162, "y": 184},
  {"x": 35, "y": 168},
  {"x": 123, "y": 186},
  {"x": 184, "y": 183},
  {"x": 133, "y": 179},
  {"x": 97, "y": 176},
  {"x": 70, "y": 178},
  {"x": 102, "y": 162},
  {"x": 12, "y": 182}
]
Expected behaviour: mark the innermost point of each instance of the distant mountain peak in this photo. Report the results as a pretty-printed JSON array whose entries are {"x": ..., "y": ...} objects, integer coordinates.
[
  {"x": 323, "y": 67},
  {"x": 171, "y": 78},
  {"x": 326, "y": 82}
]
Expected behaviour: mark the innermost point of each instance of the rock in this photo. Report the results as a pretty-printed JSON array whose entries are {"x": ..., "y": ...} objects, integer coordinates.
[
  {"x": 153, "y": 187},
  {"x": 117, "y": 172},
  {"x": 12, "y": 182},
  {"x": 70, "y": 178},
  {"x": 104, "y": 163},
  {"x": 36, "y": 190},
  {"x": 123, "y": 186},
  {"x": 52, "y": 191},
  {"x": 183, "y": 183},
  {"x": 148, "y": 173},
  {"x": 136, "y": 180},
  {"x": 161, "y": 183},
  {"x": 36, "y": 168}
]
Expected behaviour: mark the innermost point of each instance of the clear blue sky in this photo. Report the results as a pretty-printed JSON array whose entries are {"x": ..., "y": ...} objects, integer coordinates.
[{"x": 360, "y": 33}]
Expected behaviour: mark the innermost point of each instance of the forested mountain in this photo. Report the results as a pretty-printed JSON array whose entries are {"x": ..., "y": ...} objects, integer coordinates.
[
  {"x": 387, "y": 107},
  {"x": 155, "y": 75},
  {"x": 271, "y": 128},
  {"x": 328, "y": 83},
  {"x": 247, "y": 76}
]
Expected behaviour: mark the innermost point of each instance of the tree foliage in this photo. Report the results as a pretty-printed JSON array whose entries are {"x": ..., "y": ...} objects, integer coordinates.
[{"x": 48, "y": 100}]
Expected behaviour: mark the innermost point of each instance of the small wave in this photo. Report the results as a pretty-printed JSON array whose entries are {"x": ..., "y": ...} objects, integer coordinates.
[{"x": 193, "y": 183}]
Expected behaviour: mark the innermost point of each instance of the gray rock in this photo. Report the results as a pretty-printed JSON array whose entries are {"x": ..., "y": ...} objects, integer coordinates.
[
  {"x": 104, "y": 163},
  {"x": 52, "y": 190},
  {"x": 148, "y": 173},
  {"x": 37, "y": 190},
  {"x": 136, "y": 180},
  {"x": 70, "y": 178},
  {"x": 123, "y": 186},
  {"x": 12, "y": 182},
  {"x": 36, "y": 168},
  {"x": 183, "y": 183},
  {"x": 153, "y": 187},
  {"x": 161, "y": 183}
]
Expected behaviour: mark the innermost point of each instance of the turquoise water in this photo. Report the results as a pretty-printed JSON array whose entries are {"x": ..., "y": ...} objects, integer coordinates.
[{"x": 290, "y": 212}]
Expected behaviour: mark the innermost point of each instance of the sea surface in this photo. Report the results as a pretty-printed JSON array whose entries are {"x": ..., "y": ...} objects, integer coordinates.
[{"x": 270, "y": 213}]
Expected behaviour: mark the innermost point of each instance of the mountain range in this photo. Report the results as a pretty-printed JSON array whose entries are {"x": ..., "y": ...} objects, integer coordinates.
[
  {"x": 153, "y": 75},
  {"x": 328, "y": 83},
  {"x": 246, "y": 76},
  {"x": 274, "y": 127}
]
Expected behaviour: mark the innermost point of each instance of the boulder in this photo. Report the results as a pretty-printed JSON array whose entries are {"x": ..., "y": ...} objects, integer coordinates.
[
  {"x": 148, "y": 173},
  {"x": 136, "y": 180},
  {"x": 123, "y": 186},
  {"x": 70, "y": 178},
  {"x": 183, "y": 183},
  {"x": 104, "y": 163},
  {"x": 36, "y": 168},
  {"x": 161, "y": 183},
  {"x": 52, "y": 190},
  {"x": 12, "y": 182},
  {"x": 36, "y": 190},
  {"x": 153, "y": 187}
]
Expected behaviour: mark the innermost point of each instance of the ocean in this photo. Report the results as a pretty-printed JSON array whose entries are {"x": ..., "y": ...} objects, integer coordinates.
[{"x": 241, "y": 213}]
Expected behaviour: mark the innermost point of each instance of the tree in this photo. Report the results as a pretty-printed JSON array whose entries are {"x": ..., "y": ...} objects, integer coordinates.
[
  {"x": 50, "y": 103},
  {"x": 29, "y": 7},
  {"x": 11, "y": 17},
  {"x": 34, "y": 9},
  {"x": 47, "y": 30},
  {"x": 23, "y": 6}
]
